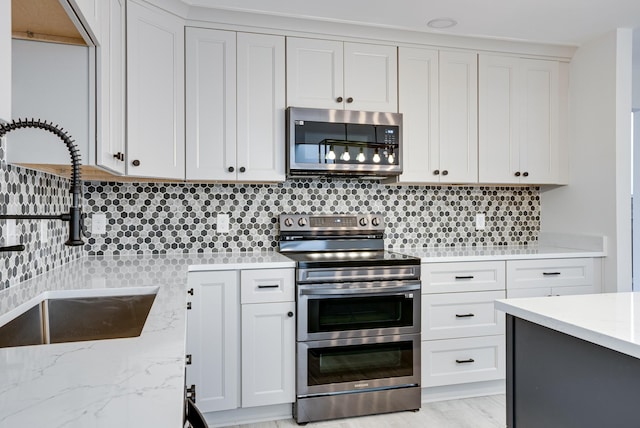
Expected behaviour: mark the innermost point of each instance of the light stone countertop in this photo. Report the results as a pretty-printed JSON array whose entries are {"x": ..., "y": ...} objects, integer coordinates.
[
  {"x": 132, "y": 382},
  {"x": 611, "y": 320},
  {"x": 139, "y": 381}
]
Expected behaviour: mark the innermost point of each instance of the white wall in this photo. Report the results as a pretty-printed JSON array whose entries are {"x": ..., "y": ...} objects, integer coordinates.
[
  {"x": 5, "y": 54},
  {"x": 597, "y": 199}
]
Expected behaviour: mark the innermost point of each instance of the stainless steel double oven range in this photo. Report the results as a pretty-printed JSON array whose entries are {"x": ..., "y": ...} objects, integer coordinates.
[{"x": 358, "y": 317}]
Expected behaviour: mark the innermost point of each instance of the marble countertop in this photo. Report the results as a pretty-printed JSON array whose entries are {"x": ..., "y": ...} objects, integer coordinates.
[
  {"x": 139, "y": 381},
  {"x": 611, "y": 320},
  {"x": 132, "y": 382}
]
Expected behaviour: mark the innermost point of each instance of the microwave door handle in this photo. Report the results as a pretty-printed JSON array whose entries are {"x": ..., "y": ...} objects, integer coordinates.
[{"x": 315, "y": 290}]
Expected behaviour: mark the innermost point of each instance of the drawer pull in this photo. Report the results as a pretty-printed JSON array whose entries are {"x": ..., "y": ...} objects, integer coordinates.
[
  {"x": 465, "y": 315},
  {"x": 464, "y": 277},
  {"x": 551, "y": 273},
  {"x": 269, "y": 286},
  {"x": 470, "y": 360}
]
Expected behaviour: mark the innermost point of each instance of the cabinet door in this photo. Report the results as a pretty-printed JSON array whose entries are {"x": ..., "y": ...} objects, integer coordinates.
[
  {"x": 370, "y": 77},
  {"x": 550, "y": 273},
  {"x": 110, "y": 151},
  {"x": 498, "y": 138},
  {"x": 418, "y": 103},
  {"x": 261, "y": 106},
  {"x": 155, "y": 92},
  {"x": 213, "y": 339},
  {"x": 315, "y": 73},
  {"x": 458, "y": 161},
  {"x": 210, "y": 104},
  {"x": 90, "y": 14},
  {"x": 539, "y": 123},
  {"x": 268, "y": 354},
  {"x": 5, "y": 53}
]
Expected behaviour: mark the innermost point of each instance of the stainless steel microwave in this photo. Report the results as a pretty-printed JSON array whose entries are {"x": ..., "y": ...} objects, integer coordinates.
[{"x": 343, "y": 142}]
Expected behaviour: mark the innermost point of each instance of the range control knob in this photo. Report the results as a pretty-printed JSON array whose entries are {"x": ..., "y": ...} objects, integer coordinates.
[
  {"x": 363, "y": 221},
  {"x": 375, "y": 221},
  {"x": 302, "y": 222},
  {"x": 288, "y": 222}
]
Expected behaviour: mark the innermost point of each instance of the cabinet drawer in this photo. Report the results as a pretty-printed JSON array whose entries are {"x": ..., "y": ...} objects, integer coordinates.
[
  {"x": 550, "y": 291},
  {"x": 467, "y": 276},
  {"x": 549, "y": 273},
  {"x": 455, "y": 315},
  {"x": 453, "y": 361},
  {"x": 267, "y": 285}
]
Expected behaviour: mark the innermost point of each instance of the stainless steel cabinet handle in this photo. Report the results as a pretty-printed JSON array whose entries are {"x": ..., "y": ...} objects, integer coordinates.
[
  {"x": 470, "y": 360},
  {"x": 465, "y": 315},
  {"x": 551, "y": 273},
  {"x": 269, "y": 286}
]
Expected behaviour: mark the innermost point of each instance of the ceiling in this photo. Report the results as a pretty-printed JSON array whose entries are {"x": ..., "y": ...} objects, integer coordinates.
[{"x": 566, "y": 22}]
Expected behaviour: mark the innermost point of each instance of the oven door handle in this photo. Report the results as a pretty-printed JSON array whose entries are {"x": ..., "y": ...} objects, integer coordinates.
[{"x": 333, "y": 290}]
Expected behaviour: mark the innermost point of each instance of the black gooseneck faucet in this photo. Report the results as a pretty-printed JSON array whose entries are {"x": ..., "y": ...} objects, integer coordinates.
[{"x": 74, "y": 217}]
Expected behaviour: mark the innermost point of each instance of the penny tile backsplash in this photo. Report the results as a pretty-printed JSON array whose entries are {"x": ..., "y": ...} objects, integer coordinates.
[{"x": 180, "y": 218}]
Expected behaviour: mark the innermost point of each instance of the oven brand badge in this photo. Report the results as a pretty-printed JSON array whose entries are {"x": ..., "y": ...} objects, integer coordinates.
[{"x": 360, "y": 385}]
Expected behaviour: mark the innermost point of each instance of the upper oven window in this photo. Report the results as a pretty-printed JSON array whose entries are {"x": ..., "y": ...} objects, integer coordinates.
[{"x": 357, "y": 313}]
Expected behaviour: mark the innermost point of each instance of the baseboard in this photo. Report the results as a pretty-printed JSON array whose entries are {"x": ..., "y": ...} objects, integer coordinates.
[{"x": 249, "y": 415}]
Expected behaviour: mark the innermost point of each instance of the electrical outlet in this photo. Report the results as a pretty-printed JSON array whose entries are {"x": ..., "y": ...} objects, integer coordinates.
[
  {"x": 222, "y": 223},
  {"x": 44, "y": 231},
  {"x": 98, "y": 224},
  {"x": 480, "y": 221},
  {"x": 10, "y": 236}
]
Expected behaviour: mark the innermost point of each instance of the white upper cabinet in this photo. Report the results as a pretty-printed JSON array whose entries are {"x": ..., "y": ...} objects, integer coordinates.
[
  {"x": 210, "y": 103},
  {"x": 519, "y": 126},
  {"x": 234, "y": 134},
  {"x": 5, "y": 54},
  {"x": 155, "y": 93},
  {"x": 458, "y": 157},
  {"x": 90, "y": 15},
  {"x": 438, "y": 100},
  {"x": 418, "y": 103},
  {"x": 111, "y": 148},
  {"x": 337, "y": 75},
  {"x": 261, "y": 107}
]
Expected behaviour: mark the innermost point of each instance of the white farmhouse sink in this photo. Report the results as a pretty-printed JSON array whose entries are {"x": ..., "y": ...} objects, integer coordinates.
[{"x": 77, "y": 315}]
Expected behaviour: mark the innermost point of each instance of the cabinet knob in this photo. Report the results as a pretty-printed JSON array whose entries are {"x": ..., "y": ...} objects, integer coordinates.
[
  {"x": 242, "y": 169},
  {"x": 231, "y": 169},
  {"x": 349, "y": 100},
  {"x": 445, "y": 172},
  {"x": 136, "y": 162},
  {"x": 339, "y": 99},
  {"x": 517, "y": 174},
  {"x": 289, "y": 314},
  {"x": 525, "y": 174},
  {"x": 436, "y": 172}
]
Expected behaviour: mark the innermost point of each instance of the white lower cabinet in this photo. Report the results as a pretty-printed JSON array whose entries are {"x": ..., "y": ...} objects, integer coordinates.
[
  {"x": 551, "y": 277},
  {"x": 268, "y": 336},
  {"x": 213, "y": 339},
  {"x": 463, "y": 335},
  {"x": 241, "y": 338}
]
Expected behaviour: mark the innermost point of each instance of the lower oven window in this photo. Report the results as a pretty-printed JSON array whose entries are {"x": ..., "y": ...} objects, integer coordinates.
[
  {"x": 356, "y": 313},
  {"x": 359, "y": 362}
]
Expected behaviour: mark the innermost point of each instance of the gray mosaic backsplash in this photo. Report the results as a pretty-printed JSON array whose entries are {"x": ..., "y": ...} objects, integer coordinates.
[
  {"x": 180, "y": 218},
  {"x": 169, "y": 218},
  {"x": 23, "y": 191}
]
